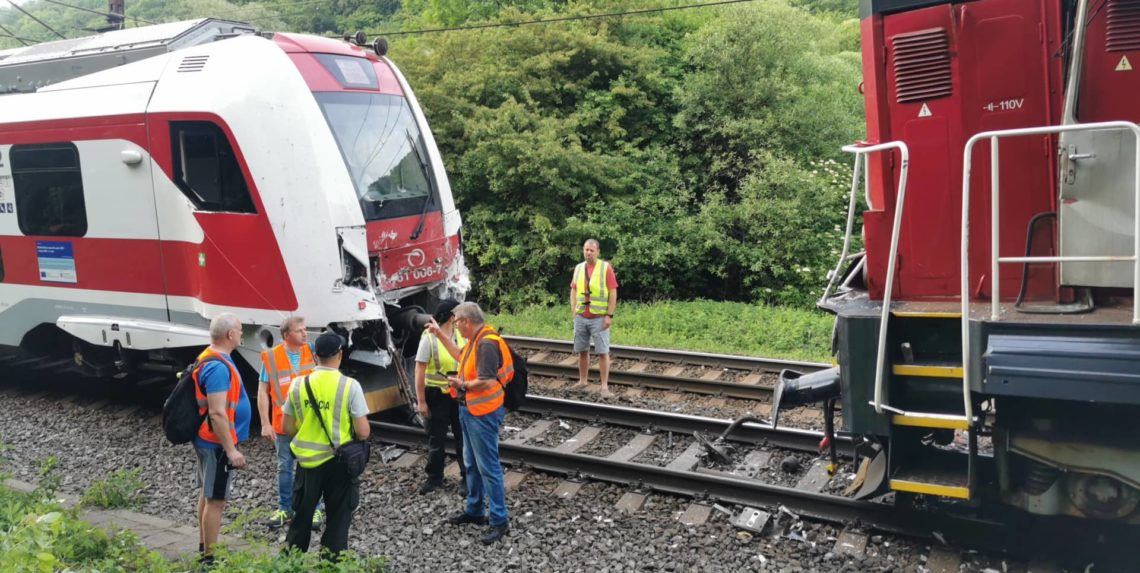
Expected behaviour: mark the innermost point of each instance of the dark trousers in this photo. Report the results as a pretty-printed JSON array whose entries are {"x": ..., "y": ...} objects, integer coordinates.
[
  {"x": 444, "y": 414},
  {"x": 341, "y": 493}
]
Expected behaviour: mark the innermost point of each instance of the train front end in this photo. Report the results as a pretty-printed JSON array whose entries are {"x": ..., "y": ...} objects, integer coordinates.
[{"x": 407, "y": 251}]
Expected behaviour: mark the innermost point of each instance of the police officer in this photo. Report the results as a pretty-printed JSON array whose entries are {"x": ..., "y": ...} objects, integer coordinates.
[
  {"x": 434, "y": 401},
  {"x": 340, "y": 401}
]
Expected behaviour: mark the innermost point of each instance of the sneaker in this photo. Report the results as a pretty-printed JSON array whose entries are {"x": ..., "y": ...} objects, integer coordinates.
[
  {"x": 463, "y": 489},
  {"x": 462, "y": 518},
  {"x": 429, "y": 486},
  {"x": 279, "y": 519},
  {"x": 318, "y": 519},
  {"x": 495, "y": 533}
]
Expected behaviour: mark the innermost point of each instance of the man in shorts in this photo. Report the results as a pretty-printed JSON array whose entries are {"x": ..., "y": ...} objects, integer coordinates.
[
  {"x": 593, "y": 298},
  {"x": 222, "y": 398}
]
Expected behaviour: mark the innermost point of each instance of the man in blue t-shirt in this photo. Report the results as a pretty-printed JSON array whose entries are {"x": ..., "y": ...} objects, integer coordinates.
[{"x": 216, "y": 444}]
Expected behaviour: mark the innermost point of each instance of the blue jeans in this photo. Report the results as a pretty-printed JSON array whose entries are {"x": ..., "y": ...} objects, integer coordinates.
[
  {"x": 286, "y": 469},
  {"x": 481, "y": 454}
]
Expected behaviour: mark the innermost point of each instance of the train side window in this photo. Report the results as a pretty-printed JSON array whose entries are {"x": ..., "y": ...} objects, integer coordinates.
[
  {"x": 48, "y": 186},
  {"x": 206, "y": 168}
]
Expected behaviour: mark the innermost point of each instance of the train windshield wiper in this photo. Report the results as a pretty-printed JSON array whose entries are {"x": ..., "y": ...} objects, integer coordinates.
[{"x": 431, "y": 189}]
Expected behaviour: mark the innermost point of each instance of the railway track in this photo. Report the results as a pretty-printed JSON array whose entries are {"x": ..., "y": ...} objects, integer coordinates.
[
  {"x": 722, "y": 375},
  {"x": 685, "y": 475}
]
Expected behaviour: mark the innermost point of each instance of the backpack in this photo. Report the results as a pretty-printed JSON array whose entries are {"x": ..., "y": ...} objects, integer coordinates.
[
  {"x": 181, "y": 416},
  {"x": 515, "y": 390}
]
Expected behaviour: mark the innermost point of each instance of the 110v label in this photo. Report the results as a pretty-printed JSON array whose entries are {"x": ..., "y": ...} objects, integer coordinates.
[{"x": 1005, "y": 105}]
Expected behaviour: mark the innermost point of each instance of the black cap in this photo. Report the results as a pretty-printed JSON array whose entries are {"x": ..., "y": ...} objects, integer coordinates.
[
  {"x": 328, "y": 344},
  {"x": 443, "y": 311}
]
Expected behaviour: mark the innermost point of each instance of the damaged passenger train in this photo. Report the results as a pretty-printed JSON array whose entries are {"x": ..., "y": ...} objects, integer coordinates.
[{"x": 154, "y": 177}]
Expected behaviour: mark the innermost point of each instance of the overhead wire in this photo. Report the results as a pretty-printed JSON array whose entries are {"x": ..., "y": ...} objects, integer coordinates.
[
  {"x": 559, "y": 19},
  {"x": 101, "y": 13},
  {"x": 8, "y": 34},
  {"x": 41, "y": 22}
]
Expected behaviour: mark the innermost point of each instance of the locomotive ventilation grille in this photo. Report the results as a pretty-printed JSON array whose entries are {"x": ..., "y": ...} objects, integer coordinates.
[
  {"x": 921, "y": 62},
  {"x": 192, "y": 63},
  {"x": 1123, "y": 22}
]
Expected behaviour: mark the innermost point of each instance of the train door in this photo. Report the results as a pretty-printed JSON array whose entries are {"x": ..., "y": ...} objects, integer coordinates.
[
  {"x": 1005, "y": 47},
  {"x": 218, "y": 248}
]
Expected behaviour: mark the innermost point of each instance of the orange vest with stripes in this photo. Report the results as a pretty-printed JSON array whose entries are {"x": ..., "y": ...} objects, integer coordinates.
[
  {"x": 233, "y": 395},
  {"x": 280, "y": 373},
  {"x": 487, "y": 400}
]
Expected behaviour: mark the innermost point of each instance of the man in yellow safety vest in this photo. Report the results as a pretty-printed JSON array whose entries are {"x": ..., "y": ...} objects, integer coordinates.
[
  {"x": 434, "y": 402},
  {"x": 343, "y": 411},
  {"x": 593, "y": 298}
]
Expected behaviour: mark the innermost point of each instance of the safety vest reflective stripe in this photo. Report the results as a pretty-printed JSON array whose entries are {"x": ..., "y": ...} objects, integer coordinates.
[
  {"x": 498, "y": 392},
  {"x": 313, "y": 445},
  {"x": 595, "y": 285}
]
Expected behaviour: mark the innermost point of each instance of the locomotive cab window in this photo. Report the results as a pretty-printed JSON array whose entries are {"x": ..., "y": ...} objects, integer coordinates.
[
  {"x": 206, "y": 168},
  {"x": 48, "y": 187}
]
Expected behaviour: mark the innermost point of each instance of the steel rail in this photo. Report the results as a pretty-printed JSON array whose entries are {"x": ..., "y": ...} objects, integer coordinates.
[
  {"x": 674, "y": 356},
  {"x": 659, "y": 381},
  {"x": 748, "y": 432},
  {"x": 731, "y": 489}
]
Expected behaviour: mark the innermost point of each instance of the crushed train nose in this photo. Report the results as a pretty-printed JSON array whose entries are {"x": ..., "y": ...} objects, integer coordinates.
[{"x": 796, "y": 389}]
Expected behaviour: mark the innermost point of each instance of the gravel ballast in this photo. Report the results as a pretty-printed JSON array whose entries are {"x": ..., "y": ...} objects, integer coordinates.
[{"x": 583, "y": 533}]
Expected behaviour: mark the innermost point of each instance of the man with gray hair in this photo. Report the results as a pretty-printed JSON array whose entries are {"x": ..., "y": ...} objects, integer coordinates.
[
  {"x": 485, "y": 367},
  {"x": 593, "y": 298},
  {"x": 222, "y": 398}
]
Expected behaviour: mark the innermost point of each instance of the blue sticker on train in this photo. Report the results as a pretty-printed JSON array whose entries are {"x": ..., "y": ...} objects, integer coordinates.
[{"x": 56, "y": 261}]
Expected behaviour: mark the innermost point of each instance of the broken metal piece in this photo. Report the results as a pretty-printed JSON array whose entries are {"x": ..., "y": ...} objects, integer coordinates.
[
  {"x": 752, "y": 519},
  {"x": 716, "y": 449},
  {"x": 390, "y": 453}
]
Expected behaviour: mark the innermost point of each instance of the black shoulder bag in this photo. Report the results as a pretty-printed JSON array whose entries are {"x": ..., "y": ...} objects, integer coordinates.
[{"x": 354, "y": 454}]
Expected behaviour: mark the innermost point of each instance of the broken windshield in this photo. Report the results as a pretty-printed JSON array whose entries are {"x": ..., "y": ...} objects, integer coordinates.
[{"x": 383, "y": 149}]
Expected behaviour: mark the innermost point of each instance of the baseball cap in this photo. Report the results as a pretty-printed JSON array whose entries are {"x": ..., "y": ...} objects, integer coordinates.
[
  {"x": 328, "y": 344},
  {"x": 443, "y": 311}
]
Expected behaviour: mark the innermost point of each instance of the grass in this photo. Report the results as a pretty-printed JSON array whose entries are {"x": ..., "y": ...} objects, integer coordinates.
[
  {"x": 705, "y": 326},
  {"x": 38, "y": 535},
  {"x": 121, "y": 489}
]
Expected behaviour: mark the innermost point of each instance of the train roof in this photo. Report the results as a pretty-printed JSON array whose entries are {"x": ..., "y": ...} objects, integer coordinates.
[{"x": 28, "y": 68}]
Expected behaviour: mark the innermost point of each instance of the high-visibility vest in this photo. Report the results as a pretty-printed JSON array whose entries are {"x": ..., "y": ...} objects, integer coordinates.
[
  {"x": 233, "y": 395},
  {"x": 487, "y": 400},
  {"x": 441, "y": 361},
  {"x": 280, "y": 373},
  {"x": 595, "y": 286},
  {"x": 310, "y": 445}
]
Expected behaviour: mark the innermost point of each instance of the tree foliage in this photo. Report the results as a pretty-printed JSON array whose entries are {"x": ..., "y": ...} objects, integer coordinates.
[{"x": 701, "y": 147}]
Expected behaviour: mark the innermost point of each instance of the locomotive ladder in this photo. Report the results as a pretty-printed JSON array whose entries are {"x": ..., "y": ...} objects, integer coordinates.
[{"x": 913, "y": 468}]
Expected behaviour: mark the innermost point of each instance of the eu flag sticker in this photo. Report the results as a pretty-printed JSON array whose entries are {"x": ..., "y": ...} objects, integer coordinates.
[{"x": 56, "y": 261}]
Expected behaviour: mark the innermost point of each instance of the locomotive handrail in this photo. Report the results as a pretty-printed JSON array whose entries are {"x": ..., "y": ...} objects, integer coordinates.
[
  {"x": 863, "y": 152},
  {"x": 996, "y": 259}
]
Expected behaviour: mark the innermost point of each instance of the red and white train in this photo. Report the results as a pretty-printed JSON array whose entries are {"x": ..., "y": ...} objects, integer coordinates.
[{"x": 223, "y": 170}]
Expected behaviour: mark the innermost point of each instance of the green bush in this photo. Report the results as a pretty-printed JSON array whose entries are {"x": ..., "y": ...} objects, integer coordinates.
[{"x": 121, "y": 489}]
